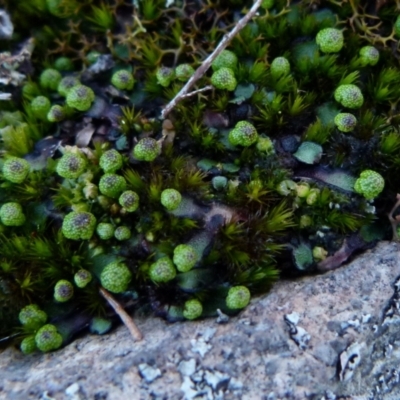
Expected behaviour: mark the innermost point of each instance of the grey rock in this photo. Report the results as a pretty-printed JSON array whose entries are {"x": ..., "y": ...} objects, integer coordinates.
[
  {"x": 187, "y": 368},
  {"x": 351, "y": 314},
  {"x": 149, "y": 373}
]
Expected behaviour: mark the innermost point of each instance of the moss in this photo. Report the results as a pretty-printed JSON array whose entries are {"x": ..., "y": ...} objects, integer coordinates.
[{"x": 263, "y": 161}]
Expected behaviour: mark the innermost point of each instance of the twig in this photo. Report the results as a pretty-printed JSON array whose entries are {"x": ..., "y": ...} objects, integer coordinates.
[
  {"x": 205, "y": 88},
  {"x": 126, "y": 319},
  {"x": 208, "y": 61}
]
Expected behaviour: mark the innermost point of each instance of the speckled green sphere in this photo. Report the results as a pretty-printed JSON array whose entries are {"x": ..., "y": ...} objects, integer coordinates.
[
  {"x": 349, "y": 96},
  {"x": 66, "y": 84},
  {"x": 369, "y": 55},
  {"x": 122, "y": 233},
  {"x": 63, "y": 64},
  {"x": 105, "y": 230},
  {"x": 71, "y": 166},
  {"x": 40, "y": 106},
  {"x": 56, "y": 113},
  {"x": 192, "y": 309},
  {"x": 80, "y": 97},
  {"x": 244, "y": 134},
  {"x": 238, "y": 297},
  {"x": 111, "y": 161},
  {"x": 92, "y": 56},
  {"x": 82, "y": 278},
  {"x": 185, "y": 257},
  {"x": 112, "y": 185},
  {"x": 226, "y": 59},
  {"x": 183, "y": 72},
  {"x": 330, "y": 40},
  {"x": 129, "y": 200},
  {"x": 11, "y": 214},
  {"x": 265, "y": 145},
  {"x": 123, "y": 80},
  {"x": 165, "y": 76},
  {"x": 345, "y": 122},
  {"x": 32, "y": 316},
  {"x": 170, "y": 199},
  {"x": 280, "y": 66},
  {"x": 61, "y": 8},
  {"x": 30, "y": 90},
  {"x": 115, "y": 277},
  {"x": 267, "y": 4},
  {"x": 28, "y": 345},
  {"x": 397, "y": 26},
  {"x": 63, "y": 291},
  {"x": 15, "y": 169},
  {"x": 47, "y": 338},
  {"x": 224, "y": 78},
  {"x": 147, "y": 149},
  {"x": 162, "y": 270},
  {"x": 370, "y": 184},
  {"x": 79, "y": 225},
  {"x": 50, "y": 78}
]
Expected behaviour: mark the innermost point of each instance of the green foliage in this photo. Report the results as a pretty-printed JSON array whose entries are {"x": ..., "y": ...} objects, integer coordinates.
[
  {"x": 192, "y": 309},
  {"x": 40, "y": 106},
  {"x": 349, "y": 95},
  {"x": 105, "y": 230},
  {"x": 170, "y": 199},
  {"x": 82, "y": 278},
  {"x": 147, "y": 149},
  {"x": 63, "y": 291},
  {"x": 47, "y": 338},
  {"x": 370, "y": 184},
  {"x": 244, "y": 134},
  {"x": 224, "y": 78},
  {"x": 183, "y": 72},
  {"x": 15, "y": 169},
  {"x": 11, "y": 214},
  {"x": 279, "y": 66},
  {"x": 238, "y": 297},
  {"x": 248, "y": 204},
  {"x": 50, "y": 78},
  {"x": 123, "y": 80},
  {"x": 226, "y": 59},
  {"x": 330, "y": 40},
  {"x": 66, "y": 84},
  {"x": 101, "y": 18},
  {"x": 162, "y": 270},
  {"x": 71, "y": 165},
  {"x": 112, "y": 185},
  {"x": 56, "y": 113},
  {"x": 80, "y": 97},
  {"x": 129, "y": 200},
  {"x": 78, "y": 225},
  {"x": 115, "y": 277},
  {"x": 110, "y": 161},
  {"x": 122, "y": 233},
  {"x": 185, "y": 257},
  {"x": 345, "y": 122}
]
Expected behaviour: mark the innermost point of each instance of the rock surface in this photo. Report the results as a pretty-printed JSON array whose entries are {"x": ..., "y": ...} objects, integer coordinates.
[{"x": 331, "y": 336}]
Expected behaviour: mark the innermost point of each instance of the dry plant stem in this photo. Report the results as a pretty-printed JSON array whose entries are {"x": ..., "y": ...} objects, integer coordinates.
[
  {"x": 208, "y": 61},
  {"x": 204, "y": 89},
  {"x": 126, "y": 319},
  {"x": 394, "y": 221}
]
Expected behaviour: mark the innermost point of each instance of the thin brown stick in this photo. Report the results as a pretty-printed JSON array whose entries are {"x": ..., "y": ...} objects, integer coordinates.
[
  {"x": 205, "y": 88},
  {"x": 126, "y": 319},
  {"x": 208, "y": 61}
]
